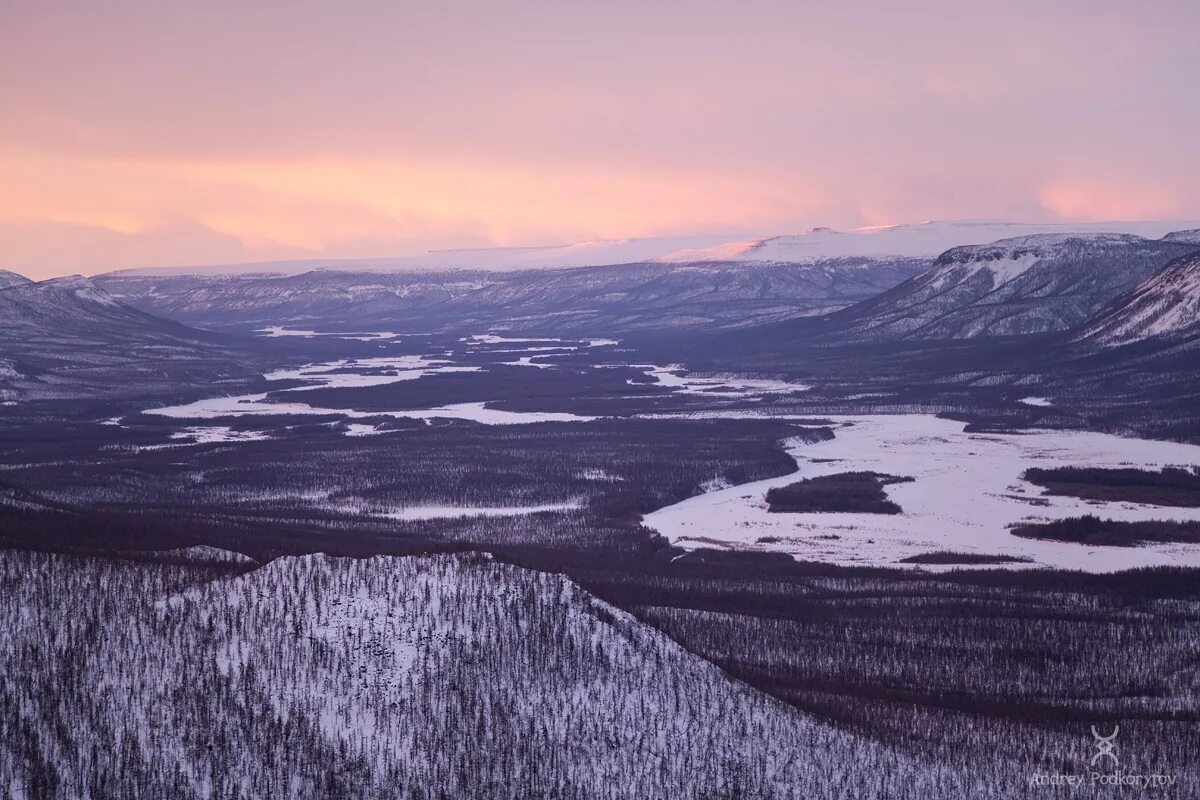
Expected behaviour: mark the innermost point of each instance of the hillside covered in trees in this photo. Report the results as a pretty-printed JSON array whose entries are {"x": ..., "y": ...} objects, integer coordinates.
[{"x": 445, "y": 676}]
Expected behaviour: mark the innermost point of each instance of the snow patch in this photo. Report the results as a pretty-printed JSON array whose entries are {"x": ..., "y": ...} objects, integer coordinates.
[
  {"x": 675, "y": 378},
  {"x": 218, "y": 433},
  {"x": 456, "y": 512}
]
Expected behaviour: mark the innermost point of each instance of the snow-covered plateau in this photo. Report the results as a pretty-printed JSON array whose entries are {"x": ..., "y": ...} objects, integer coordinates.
[
  {"x": 924, "y": 240},
  {"x": 1015, "y": 286}
]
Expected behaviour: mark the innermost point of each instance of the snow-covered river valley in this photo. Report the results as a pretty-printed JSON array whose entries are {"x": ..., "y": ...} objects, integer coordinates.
[
  {"x": 965, "y": 493},
  {"x": 377, "y": 371}
]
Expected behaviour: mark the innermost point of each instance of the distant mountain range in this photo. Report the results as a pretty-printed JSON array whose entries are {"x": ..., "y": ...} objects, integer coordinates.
[
  {"x": 1039, "y": 282},
  {"x": 924, "y": 240},
  {"x": 610, "y": 299},
  {"x": 1086, "y": 290},
  {"x": 67, "y": 337}
]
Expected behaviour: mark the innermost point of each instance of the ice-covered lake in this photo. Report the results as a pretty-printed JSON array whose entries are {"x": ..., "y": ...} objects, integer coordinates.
[{"x": 967, "y": 491}]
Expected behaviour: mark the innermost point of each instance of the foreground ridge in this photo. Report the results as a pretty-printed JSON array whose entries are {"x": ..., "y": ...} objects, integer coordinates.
[{"x": 389, "y": 677}]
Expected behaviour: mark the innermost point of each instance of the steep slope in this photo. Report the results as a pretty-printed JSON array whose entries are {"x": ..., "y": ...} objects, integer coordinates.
[
  {"x": 416, "y": 677},
  {"x": 1166, "y": 306},
  {"x": 1189, "y": 237},
  {"x": 8, "y": 279},
  {"x": 622, "y": 297},
  {"x": 1032, "y": 284},
  {"x": 66, "y": 337}
]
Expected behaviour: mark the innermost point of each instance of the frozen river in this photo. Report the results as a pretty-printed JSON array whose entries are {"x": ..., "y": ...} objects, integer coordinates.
[
  {"x": 377, "y": 371},
  {"x": 967, "y": 491}
]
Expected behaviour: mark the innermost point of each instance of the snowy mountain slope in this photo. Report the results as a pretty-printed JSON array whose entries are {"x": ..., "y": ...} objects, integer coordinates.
[
  {"x": 389, "y": 677},
  {"x": 1024, "y": 285},
  {"x": 623, "y": 297},
  {"x": 68, "y": 306},
  {"x": 67, "y": 337},
  {"x": 1166, "y": 305},
  {"x": 8, "y": 279},
  {"x": 1190, "y": 237}
]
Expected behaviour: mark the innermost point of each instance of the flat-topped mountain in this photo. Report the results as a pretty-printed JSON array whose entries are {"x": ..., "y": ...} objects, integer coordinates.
[{"x": 1024, "y": 285}]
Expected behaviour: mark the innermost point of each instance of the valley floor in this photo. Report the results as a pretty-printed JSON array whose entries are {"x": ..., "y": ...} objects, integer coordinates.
[
  {"x": 718, "y": 650},
  {"x": 459, "y": 676}
]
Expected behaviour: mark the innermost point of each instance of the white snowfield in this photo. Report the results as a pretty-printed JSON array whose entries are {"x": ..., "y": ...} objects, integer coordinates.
[
  {"x": 391, "y": 677},
  {"x": 492, "y": 338},
  {"x": 259, "y": 405},
  {"x": 967, "y": 491},
  {"x": 528, "y": 361},
  {"x": 580, "y": 254},
  {"x": 213, "y": 434},
  {"x": 368, "y": 336},
  {"x": 1008, "y": 259},
  {"x": 199, "y": 554},
  {"x": 676, "y": 378},
  {"x": 365, "y": 371},
  {"x": 1002, "y": 270},
  {"x": 458, "y": 512},
  {"x": 921, "y": 240}
]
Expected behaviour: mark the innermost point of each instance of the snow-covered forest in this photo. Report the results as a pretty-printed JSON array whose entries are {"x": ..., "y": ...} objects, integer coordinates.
[{"x": 448, "y": 676}]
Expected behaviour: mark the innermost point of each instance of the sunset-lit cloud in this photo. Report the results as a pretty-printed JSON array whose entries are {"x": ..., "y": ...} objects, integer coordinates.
[
  {"x": 293, "y": 208},
  {"x": 140, "y": 134},
  {"x": 1099, "y": 200}
]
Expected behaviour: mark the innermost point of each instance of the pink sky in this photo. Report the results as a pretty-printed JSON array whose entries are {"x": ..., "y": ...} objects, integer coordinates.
[{"x": 139, "y": 133}]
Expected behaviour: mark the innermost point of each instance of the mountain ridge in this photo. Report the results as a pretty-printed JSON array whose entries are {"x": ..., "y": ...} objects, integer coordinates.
[
  {"x": 606, "y": 299},
  {"x": 1164, "y": 306},
  {"x": 67, "y": 337},
  {"x": 315, "y": 676},
  {"x": 1025, "y": 285}
]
